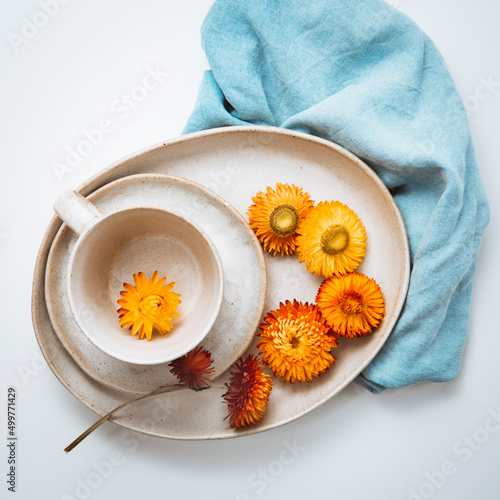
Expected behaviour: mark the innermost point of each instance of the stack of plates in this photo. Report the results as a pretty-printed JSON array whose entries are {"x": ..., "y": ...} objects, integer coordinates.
[{"x": 234, "y": 164}]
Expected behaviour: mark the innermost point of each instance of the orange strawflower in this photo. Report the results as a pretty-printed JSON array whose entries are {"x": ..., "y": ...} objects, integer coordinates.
[
  {"x": 276, "y": 215},
  {"x": 352, "y": 304},
  {"x": 191, "y": 368},
  {"x": 296, "y": 342},
  {"x": 248, "y": 393},
  {"x": 331, "y": 239},
  {"x": 147, "y": 305}
]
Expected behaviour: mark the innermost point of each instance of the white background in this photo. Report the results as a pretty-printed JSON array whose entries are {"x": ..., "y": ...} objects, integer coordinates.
[{"x": 64, "y": 80}]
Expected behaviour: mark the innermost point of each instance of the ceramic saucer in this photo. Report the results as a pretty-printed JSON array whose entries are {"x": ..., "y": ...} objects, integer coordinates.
[{"x": 242, "y": 262}]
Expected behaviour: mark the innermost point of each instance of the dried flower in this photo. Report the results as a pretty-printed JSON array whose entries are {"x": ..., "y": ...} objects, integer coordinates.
[
  {"x": 276, "y": 215},
  {"x": 248, "y": 393},
  {"x": 332, "y": 239},
  {"x": 351, "y": 304},
  {"x": 148, "y": 304},
  {"x": 191, "y": 368},
  {"x": 296, "y": 342}
]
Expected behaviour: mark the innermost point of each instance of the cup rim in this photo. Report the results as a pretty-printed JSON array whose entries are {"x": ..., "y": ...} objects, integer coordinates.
[{"x": 203, "y": 332}]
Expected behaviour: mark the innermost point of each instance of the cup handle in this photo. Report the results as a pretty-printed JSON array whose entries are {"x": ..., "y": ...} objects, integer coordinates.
[{"x": 75, "y": 210}]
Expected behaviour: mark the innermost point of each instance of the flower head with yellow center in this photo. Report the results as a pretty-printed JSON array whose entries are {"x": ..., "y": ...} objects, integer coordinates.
[
  {"x": 331, "y": 240},
  {"x": 276, "y": 215},
  {"x": 296, "y": 342},
  {"x": 352, "y": 304},
  {"x": 147, "y": 305},
  {"x": 248, "y": 393}
]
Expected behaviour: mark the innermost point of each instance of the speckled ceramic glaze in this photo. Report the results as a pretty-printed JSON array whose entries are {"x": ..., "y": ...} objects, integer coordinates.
[
  {"x": 112, "y": 247},
  {"x": 227, "y": 231},
  {"x": 236, "y": 163}
]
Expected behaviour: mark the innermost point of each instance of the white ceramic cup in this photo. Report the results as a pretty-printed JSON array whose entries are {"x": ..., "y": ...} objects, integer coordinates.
[{"x": 111, "y": 248}]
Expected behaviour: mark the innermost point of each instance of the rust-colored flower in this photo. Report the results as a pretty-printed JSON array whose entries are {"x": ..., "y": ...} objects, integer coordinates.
[
  {"x": 296, "y": 342},
  {"x": 248, "y": 393},
  {"x": 191, "y": 368},
  {"x": 276, "y": 215},
  {"x": 147, "y": 305},
  {"x": 352, "y": 304}
]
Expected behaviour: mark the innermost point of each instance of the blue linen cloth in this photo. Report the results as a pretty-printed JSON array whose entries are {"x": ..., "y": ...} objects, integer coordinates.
[{"x": 363, "y": 75}]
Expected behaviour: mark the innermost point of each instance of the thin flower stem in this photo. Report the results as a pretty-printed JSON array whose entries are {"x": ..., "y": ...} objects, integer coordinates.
[
  {"x": 92, "y": 428},
  {"x": 218, "y": 386}
]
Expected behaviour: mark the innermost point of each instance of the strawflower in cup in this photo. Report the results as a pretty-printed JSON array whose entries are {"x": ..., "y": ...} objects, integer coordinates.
[{"x": 147, "y": 305}]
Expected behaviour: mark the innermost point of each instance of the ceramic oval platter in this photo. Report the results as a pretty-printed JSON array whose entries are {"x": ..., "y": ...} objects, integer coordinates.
[{"x": 235, "y": 163}]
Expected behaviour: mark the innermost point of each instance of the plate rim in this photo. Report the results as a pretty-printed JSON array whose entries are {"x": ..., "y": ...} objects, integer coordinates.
[{"x": 90, "y": 185}]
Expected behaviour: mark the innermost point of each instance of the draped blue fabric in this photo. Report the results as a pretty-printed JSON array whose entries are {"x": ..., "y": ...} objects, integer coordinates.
[{"x": 363, "y": 75}]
